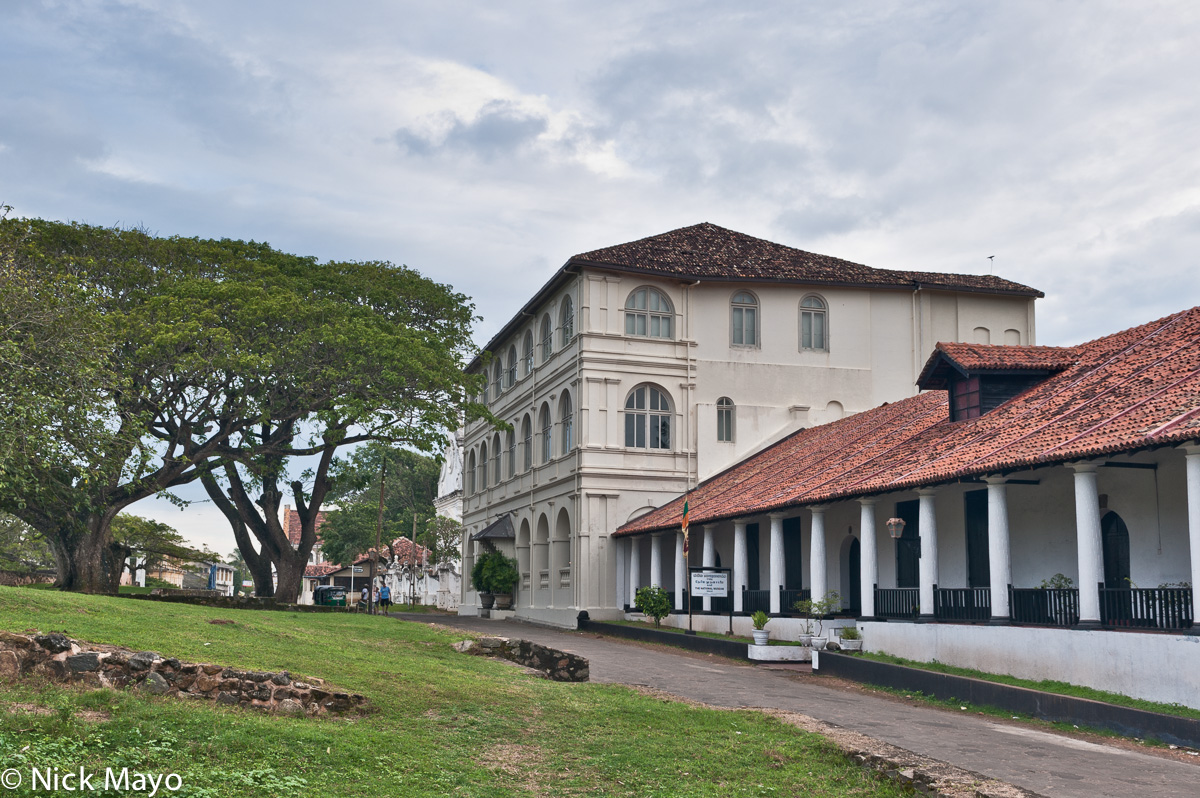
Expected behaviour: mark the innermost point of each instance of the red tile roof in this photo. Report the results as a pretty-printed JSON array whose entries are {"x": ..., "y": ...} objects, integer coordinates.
[
  {"x": 706, "y": 251},
  {"x": 321, "y": 569},
  {"x": 291, "y": 526},
  {"x": 1132, "y": 390}
]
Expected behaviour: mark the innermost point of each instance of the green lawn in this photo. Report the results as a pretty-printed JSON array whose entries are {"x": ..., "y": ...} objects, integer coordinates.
[
  {"x": 1046, "y": 686},
  {"x": 443, "y": 723}
]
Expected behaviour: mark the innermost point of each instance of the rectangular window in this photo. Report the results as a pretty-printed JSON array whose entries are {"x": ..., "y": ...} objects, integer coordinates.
[
  {"x": 635, "y": 430},
  {"x": 966, "y": 399},
  {"x": 725, "y": 424},
  {"x": 738, "y": 337}
]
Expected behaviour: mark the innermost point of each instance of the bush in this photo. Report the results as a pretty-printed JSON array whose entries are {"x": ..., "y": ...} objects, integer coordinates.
[
  {"x": 851, "y": 633},
  {"x": 495, "y": 573},
  {"x": 759, "y": 619},
  {"x": 653, "y": 601}
]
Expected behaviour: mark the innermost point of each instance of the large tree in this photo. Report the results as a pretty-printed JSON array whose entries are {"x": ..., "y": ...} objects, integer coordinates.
[
  {"x": 151, "y": 542},
  {"x": 189, "y": 346}
]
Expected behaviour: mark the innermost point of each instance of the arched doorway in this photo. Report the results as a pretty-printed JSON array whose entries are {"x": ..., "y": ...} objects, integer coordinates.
[{"x": 1115, "y": 537}]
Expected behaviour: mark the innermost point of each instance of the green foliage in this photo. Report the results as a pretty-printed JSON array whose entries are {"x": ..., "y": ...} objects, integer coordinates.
[
  {"x": 653, "y": 601},
  {"x": 409, "y": 490},
  {"x": 851, "y": 633},
  {"x": 759, "y": 619},
  {"x": 133, "y": 364},
  {"x": 494, "y": 572},
  {"x": 22, "y": 550},
  {"x": 815, "y": 610},
  {"x": 153, "y": 582},
  {"x": 1057, "y": 582},
  {"x": 150, "y": 542}
]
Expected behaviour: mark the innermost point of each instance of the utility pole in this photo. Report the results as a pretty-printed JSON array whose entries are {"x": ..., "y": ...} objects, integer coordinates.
[{"x": 378, "y": 532}]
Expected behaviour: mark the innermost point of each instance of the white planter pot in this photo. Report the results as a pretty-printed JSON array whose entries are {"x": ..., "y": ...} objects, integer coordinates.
[
  {"x": 818, "y": 643},
  {"x": 760, "y": 636},
  {"x": 805, "y": 640},
  {"x": 851, "y": 645}
]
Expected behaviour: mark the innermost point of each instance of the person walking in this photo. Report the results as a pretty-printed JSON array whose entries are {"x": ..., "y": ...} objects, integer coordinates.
[
  {"x": 385, "y": 598},
  {"x": 366, "y": 598}
]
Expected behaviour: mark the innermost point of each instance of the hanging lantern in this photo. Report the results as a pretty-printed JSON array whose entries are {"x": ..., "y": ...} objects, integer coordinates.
[{"x": 895, "y": 527}]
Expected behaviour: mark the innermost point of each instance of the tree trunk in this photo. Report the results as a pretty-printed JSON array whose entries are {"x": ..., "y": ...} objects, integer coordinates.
[{"x": 87, "y": 558}]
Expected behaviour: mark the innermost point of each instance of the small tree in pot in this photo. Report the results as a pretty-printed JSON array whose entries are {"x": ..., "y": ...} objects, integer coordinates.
[
  {"x": 480, "y": 580},
  {"x": 503, "y": 578},
  {"x": 760, "y": 633},
  {"x": 814, "y": 612}
]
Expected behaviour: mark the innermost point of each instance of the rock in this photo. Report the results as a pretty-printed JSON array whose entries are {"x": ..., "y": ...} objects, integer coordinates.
[
  {"x": 227, "y": 698},
  {"x": 258, "y": 676},
  {"x": 207, "y": 682},
  {"x": 82, "y": 663},
  {"x": 143, "y": 660},
  {"x": 54, "y": 643},
  {"x": 10, "y": 666},
  {"x": 281, "y": 679},
  {"x": 155, "y": 684},
  {"x": 211, "y": 669},
  {"x": 10, "y": 640},
  {"x": 290, "y": 706},
  {"x": 172, "y": 663},
  {"x": 464, "y": 646},
  {"x": 833, "y": 645}
]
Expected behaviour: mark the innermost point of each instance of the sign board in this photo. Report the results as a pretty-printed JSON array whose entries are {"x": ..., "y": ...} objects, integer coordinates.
[
  {"x": 358, "y": 569},
  {"x": 710, "y": 584},
  {"x": 247, "y": 583}
]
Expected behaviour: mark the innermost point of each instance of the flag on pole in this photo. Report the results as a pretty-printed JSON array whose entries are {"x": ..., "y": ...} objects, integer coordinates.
[{"x": 684, "y": 524}]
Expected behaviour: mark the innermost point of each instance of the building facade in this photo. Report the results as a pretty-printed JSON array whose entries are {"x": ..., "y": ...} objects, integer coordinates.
[
  {"x": 1022, "y": 515},
  {"x": 642, "y": 369}
]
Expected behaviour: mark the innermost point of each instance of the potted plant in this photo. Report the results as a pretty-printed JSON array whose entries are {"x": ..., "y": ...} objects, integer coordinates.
[
  {"x": 851, "y": 639},
  {"x": 759, "y": 619},
  {"x": 814, "y": 612},
  {"x": 502, "y": 578},
  {"x": 479, "y": 580}
]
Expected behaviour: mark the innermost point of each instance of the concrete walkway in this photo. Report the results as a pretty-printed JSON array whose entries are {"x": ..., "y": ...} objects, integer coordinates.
[{"x": 1045, "y": 763}]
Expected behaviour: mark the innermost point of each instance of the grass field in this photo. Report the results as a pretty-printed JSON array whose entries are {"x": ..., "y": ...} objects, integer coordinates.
[{"x": 443, "y": 723}]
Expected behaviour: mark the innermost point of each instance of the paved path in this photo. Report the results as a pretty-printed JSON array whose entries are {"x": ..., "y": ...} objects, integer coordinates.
[{"x": 1050, "y": 764}]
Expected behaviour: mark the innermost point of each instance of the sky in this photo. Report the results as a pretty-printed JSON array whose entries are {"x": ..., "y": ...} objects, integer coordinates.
[{"x": 483, "y": 144}]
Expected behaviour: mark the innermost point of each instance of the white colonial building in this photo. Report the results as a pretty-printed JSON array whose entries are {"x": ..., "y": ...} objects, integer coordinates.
[{"x": 641, "y": 369}]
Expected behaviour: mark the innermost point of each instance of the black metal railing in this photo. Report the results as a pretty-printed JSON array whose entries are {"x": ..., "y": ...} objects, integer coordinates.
[
  {"x": 1146, "y": 608},
  {"x": 754, "y": 600},
  {"x": 897, "y": 602},
  {"x": 1043, "y": 606},
  {"x": 788, "y": 599},
  {"x": 962, "y": 603}
]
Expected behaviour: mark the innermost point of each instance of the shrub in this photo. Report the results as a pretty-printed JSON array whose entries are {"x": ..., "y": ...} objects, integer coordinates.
[
  {"x": 653, "y": 601},
  {"x": 1057, "y": 582},
  {"x": 495, "y": 573},
  {"x": 851, "y": 633},
  {"x": 759, "y": 619}
]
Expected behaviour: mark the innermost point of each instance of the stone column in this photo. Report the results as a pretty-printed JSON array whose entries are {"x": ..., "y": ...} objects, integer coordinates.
[
  {"x": 622, "y": 570},
  {"x": 818, "y": 568},
  {"x": 635, "y": 569},
  {"x": 929, "y": 555},
  {"x": 710, "y": 559},
  {"x": 776, "y": 569},
  {"x": 680, "y": 571},
  {"x": 1090, "y": 548},
  {"x": 740, "y": 571},
  {"x": 1193, "y": 502},
  {"x": 868, "y": 558},
  {"x": 656, "y": 560},
  {"x": 999, "y": 550}
]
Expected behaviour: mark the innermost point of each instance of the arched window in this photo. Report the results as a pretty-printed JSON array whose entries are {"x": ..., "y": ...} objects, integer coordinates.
[
  {"x": 567, "y": 417},
  {"x": 648, "y": 312},
  {"x": 496, "y": 475},
  {"x": 647, "y": 419},
  {"x": 547, "y": 337},
  {"x": 547, "y": 425},
  {"x": 512, "y": 452},
  {"x": 510, "y": 377},
  {"x": 483, "y": 466},
  {"x": 725, "y": 419},
  {"x": 567, "y": 320},
  {"x": 528, "y": 352},
  {"x": 471, "y": 473},
  {"x": 497, "y": 379},
  {"x": 527, "y": 443},
  {"x": 743, "y": 319},
  {"x": 814, "y": 329}
]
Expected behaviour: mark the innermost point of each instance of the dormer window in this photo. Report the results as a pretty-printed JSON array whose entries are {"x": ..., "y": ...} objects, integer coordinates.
[{"x": 966, "y": 399}]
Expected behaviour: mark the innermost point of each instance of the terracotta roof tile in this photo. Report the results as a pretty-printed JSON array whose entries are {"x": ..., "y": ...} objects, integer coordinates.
[
  {"x": 1128, "y": 391},
  {"x": 320, "y": 569},
  {"x": 706, "y": 251},
  {"x": 291, "y": 526}
]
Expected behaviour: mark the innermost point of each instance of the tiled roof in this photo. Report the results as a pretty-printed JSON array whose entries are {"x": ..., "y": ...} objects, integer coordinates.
[
  {"x": 321, "y": 569},
  {"x": 706, "y": 251},
  {"x": 291, "y": 526},
  {"x": 1128, "y": 391},
  {"x": 974, "y": 358}
]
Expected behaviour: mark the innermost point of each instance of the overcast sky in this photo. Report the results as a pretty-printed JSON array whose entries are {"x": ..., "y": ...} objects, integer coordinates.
[{"x": 483, "y": 144}]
